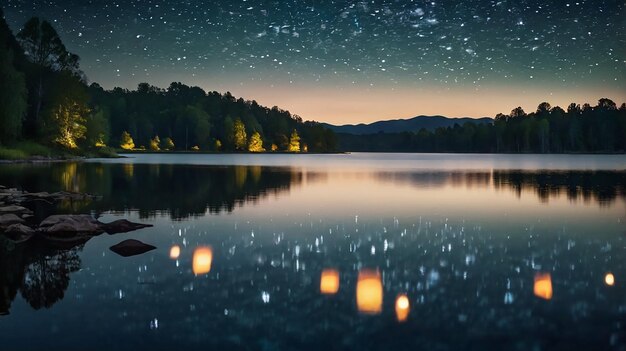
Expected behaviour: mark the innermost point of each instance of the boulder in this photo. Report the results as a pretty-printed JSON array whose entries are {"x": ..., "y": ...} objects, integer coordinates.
[
  {"x": 19, "y": 232},
  {"x": 9, "y": 219},
  {"x": 70, "y": 224},
  {"x": 123, "y": 226},
  {"x": 15, "y": 210},
  {"x": 19, "y": 229},
  {"x": 131, "y": 247}
]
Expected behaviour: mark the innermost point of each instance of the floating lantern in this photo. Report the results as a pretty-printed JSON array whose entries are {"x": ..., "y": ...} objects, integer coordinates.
[
  {"x": 543, "y": 286},
  {"x": 609, "y": 279},
  {"x": 202, "y": 258},
  {"x": 329, "y": 283},
  {"x": 174, "y": 252},
  {"x": 403, "y": 307},
  {"x": 369, "y": 292}
]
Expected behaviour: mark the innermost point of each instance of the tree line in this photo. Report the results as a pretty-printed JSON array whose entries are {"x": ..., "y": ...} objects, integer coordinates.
[
  {"x": 44, "y": 97},
  {"x": 580, "y": 129}
]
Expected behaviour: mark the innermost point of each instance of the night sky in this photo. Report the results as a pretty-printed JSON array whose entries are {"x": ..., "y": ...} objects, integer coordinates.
[{"x": 348, "y": 62}]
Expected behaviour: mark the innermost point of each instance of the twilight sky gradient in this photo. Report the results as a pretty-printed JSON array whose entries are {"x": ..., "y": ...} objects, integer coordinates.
[{"x": 350, "y": 62}]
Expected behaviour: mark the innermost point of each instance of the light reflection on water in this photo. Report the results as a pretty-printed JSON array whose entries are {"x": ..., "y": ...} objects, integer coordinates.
[{"x": 256, "y": 257}]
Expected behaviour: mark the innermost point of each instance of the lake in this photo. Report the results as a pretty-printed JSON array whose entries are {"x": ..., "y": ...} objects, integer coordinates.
[{"x": 347, "y": 251}]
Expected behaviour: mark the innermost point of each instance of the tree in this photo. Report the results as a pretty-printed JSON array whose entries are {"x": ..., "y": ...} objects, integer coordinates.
[
  {"x": 64, "y": 120},
  {"x": 294, "y": 142},
  {"x": 12, "y": 98},
  {"x": 126, "y": 141},
  {"x": 239, "y": 135},
  {"x": 154, "y": 143},
  {"x": 256, "y": 143},
  {"x": 97, "y": 125},
  {"x": 167, "y": 144},
  {"x": 43, "y": 47}
]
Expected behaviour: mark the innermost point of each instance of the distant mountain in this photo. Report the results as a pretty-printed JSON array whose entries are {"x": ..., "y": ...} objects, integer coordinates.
[{"x": 404, "y": 125}]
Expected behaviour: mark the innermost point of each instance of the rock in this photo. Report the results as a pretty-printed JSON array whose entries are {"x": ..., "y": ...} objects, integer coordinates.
[
  {"x": 131, "y": 247},
  {"x": 15, "y": 209},
  {"x": 70, "y": 224},
  {"x": 123, "y": 226},
  {"x": 19, "y": 229},
  {"x": 19, "y": 232},
  {"x": 9, "y": 219}
]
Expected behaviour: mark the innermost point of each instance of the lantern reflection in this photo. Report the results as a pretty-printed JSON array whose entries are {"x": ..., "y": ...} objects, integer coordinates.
[
  {"x": 369, "y": 292},
  {"x": 609, "y": 279},
  {"x": 174, "y": 252},
  {"x": 402, "y": 307},
  {"x": 543, "y": 286},
  {"x": 329, "y": 283},
  {"x": 202, "y": 258}
]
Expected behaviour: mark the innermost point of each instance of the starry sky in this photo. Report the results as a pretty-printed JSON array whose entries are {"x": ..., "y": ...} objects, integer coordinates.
[{"x": 351, "y": 62}]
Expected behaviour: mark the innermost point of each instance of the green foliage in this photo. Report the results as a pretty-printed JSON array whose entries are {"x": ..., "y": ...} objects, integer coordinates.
[
  {"x": 97, "y": 125},
  {"x": 65, "y": 120},
  {"x": 167, "y": 144},
  {"x": 12, "y": 98},
  {"x": 126, "y": 141},
  {"x": 256, "y": 143},
  {"x": 240, "y": 138},
  {"x": 155, "y": 143},
  {"x": 12, "y": 154},
  {"x": 294, "y": 142}
]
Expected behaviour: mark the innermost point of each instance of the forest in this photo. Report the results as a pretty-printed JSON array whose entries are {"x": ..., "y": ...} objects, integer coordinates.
[
  {"x": 47, "y": 107},
  {"x": 46, "y": 104},
  {"x": 580, "y": 129}
]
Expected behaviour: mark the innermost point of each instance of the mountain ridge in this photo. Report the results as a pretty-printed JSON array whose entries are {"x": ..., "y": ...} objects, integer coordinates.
[{"x": 413, "y": 124}]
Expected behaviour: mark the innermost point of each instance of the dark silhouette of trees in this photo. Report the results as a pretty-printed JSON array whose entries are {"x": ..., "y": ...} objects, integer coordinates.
[{"x": 547, "y": 130}]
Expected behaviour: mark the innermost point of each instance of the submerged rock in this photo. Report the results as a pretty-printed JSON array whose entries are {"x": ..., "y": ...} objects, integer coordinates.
[
  {"x": 131, "y": 247},
  {"x": 70, "y": 224},
  {"x": 123, "y": 226}
]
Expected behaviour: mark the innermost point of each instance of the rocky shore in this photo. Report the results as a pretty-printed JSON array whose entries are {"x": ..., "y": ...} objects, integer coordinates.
[{"x": 23, "y": 220}]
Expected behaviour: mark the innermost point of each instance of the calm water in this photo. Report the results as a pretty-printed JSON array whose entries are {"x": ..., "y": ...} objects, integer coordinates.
[{"x": 286, "y": 252}]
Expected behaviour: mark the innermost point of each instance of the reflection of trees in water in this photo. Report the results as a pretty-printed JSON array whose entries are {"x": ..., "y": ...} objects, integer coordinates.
[
  {"x": 601, "y": 186},
  {"x": 41, "y": 275},
  {"x": 180, "y": 190},
  {"x": 47, "y": 277}
]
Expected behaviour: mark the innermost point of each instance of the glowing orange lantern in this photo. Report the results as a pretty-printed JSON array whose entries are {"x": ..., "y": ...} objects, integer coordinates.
[
  {"x": 609, "y": 279},
  {"x": 543, "y": 286},
  {"x": 403, "y": 307},
  {"x": 329, "y": 284},
  {"x": 174, "y": 252},
  {"x": 369, "y": 292},
  {"x": 202, "y": 258}
]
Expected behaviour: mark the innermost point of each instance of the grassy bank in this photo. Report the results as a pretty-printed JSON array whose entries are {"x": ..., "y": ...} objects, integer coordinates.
[{"x": 29, "y": 150}]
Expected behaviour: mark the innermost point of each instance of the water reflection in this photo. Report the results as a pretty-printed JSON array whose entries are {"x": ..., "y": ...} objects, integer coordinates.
[
  {"x": 40, "y": 274},
  {"x": 369, "y": 292},
  {"x": 329, "y": 282},
  {"x": 184, "y": 191},
  {"x": 402, "y": 307},
  {"x": 202, "y": 259},
  {"x": 543, "y": 286},
  {"x": 174, "y": 252},
  {"x": 609, "y": 279}
]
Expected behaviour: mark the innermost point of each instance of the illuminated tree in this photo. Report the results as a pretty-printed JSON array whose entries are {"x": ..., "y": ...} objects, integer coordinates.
[
  {"x": 274, "y": 147},
  {"x": 69, "y": 123},
  {"x": 294, "y": 142},
  {"x": 154, "y": 144},
  {"x": 218, "y": 145},
  {"x": 168, "y": 144},
  {"x": 97, "y": 125},
  {"x": 239, "y": 135},
  {"x": 126, "y": 142},
  {"x": 256, "y": 143}
]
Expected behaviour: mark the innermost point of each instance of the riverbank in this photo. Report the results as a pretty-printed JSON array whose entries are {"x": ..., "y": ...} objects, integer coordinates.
[{"x": 28, "y": 151}]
